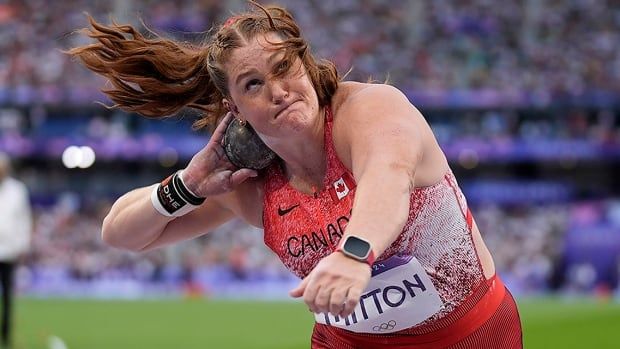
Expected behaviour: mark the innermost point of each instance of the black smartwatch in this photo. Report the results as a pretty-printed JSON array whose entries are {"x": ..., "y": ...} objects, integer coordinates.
[{"x": 357, "y": 248}]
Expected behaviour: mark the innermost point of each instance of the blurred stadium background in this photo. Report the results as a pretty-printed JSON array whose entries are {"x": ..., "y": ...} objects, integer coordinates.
[{"x": 522, "y": 95}]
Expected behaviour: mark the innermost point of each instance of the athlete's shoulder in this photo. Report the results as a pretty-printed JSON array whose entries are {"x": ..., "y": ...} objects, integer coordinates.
[
  {"x": 355, "y": 92},
  {"x": 359, "y": 99},
  {"x": 375, "y": 94}
]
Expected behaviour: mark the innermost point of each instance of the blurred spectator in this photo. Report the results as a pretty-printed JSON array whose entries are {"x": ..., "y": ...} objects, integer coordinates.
[
  {"x": 532, "y": 52},
  {"x": 15, "y": 230}
]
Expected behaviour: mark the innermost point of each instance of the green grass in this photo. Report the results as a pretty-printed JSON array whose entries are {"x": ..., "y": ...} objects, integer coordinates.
[
  {"x": 188, "y": 324},
  {"x": 555, "y": 323}
]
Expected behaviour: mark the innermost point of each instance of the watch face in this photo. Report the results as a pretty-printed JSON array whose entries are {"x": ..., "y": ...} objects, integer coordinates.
[{"x": 356, "y": 247}]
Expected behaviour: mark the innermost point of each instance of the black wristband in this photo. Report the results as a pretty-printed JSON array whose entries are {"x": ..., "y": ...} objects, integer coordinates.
[
  {"x": 174, "y": 196},
  {"x": 184, "y": 192},
  {"x": 169, "y": 197}
]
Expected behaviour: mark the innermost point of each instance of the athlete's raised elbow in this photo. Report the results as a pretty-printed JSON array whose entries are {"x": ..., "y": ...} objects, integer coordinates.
[
  {"x": 111, "y": 237},
  {"x": 107, "y": 235}
]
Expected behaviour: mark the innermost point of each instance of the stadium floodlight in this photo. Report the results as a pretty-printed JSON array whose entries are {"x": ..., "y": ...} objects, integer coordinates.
[
  {"x": 71, "y": 156},
  {"x": 82, "y": 157},
  {"x": 88, "y": 157}
]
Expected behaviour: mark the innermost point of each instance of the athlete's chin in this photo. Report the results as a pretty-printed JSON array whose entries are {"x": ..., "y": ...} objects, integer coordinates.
[{"x": 294, "y": 120}]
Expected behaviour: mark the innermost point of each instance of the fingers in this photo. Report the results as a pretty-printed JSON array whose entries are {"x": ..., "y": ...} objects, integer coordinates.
[
  {"x": 336, "y": 301},
  {"x": 351, "y": 301},
  {"x": 220, "y": 130},
  {"x": 220, "y": 153},
  {"x": 322, "y": 299},
  {"x": 310, "y": 295},
  {"x": 335, "y": 285},
  {"x": 330, "y": 299},
  {"x": 299, "y": 290},
  {"x": 241, "y": 175}
]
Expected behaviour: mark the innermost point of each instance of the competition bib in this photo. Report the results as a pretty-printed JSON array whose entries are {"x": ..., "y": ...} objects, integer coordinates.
[{"x": 400, "y": 295}]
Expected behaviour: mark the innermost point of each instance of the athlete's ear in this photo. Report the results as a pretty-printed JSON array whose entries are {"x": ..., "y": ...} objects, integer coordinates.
[{"x": 230, "y": 106}]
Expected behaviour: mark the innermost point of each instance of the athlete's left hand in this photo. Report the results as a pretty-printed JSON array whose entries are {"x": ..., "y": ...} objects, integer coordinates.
[{"x": 335, "y": 285}]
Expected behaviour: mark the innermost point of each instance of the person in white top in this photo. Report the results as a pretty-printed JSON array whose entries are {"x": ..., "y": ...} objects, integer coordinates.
[{"x": 15, "y": 231}]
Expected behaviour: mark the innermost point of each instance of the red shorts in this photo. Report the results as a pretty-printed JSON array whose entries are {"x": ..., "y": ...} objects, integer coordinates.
[{"x": 486, "y": 319}]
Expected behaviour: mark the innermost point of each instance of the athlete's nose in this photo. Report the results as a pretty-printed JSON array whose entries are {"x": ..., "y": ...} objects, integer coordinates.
[{"x": 279, "y": 91}]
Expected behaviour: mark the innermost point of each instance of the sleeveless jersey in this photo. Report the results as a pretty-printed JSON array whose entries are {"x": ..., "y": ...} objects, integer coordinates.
[{"x": 302, "y": 229}]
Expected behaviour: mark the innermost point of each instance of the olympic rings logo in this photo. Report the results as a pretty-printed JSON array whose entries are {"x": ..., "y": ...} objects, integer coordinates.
[{"x": 386, "y": 326}]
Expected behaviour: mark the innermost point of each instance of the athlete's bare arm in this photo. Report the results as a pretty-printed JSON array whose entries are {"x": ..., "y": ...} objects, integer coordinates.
[
  {"x": 383, "y": 146},
  {"x": 134, "y": 224}
]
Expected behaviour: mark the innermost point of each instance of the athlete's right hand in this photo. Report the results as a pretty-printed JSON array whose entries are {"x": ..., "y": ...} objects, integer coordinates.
[{"x": 209, "y": 172}]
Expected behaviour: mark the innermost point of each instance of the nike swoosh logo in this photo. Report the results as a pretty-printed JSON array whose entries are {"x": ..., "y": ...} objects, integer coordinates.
[{"x": 282, "y": 212}]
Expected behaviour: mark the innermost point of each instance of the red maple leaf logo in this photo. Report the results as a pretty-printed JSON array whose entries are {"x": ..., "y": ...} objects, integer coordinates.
[{"x": 340, "y": 187}]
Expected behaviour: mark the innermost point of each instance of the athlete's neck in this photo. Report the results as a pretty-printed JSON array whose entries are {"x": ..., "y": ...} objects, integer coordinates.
[{"x": 304, "y": 158}]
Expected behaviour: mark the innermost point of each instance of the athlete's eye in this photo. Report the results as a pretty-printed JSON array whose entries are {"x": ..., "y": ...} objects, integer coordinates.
[
  {"x": 281, "y": 67},
  {"x": 253, "y": 84}
]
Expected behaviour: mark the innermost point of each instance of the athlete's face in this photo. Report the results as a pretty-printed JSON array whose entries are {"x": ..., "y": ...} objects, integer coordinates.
[{"x": 276, "y": 105}]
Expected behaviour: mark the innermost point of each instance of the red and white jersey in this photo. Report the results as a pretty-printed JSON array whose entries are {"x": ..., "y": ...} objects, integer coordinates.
[{"x": 301, "y": 229}]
